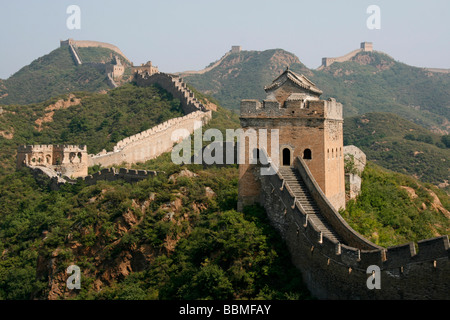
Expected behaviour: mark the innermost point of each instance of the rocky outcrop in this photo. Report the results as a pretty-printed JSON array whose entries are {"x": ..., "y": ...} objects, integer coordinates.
[
  {"x": 71, "y": 101},
  {"x": 111, "y": 257}
]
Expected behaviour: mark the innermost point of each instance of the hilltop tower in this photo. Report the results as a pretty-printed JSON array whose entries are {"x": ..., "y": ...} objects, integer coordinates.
[
  {"x": 145, "y": 68},
  {"x": 236, "y": 49},
  {"x": 367, "y": 46},
  {"x": 309, "y": 128},
  {"x": 116, "y": 68}
]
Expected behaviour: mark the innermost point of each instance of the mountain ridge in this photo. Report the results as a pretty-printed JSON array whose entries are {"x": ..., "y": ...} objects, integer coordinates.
[
  {"x": 370, "y": 81},
  {"x": 56, "y": 73}
]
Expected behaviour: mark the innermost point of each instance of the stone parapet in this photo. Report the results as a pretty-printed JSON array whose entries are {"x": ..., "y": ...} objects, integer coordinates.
[
  {"x": 50, "y": 178},
  {"x": 334, "y": 270},
  {"x": 175, "y": 86},
  {"x": 292, "y": 108},
  {"x": 151, "y": 143}
]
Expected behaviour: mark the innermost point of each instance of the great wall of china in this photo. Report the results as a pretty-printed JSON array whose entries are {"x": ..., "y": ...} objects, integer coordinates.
[
  {"x": 366, "y": 47},
  {"x": 86, "y": 44},
  {"x": 332, "y": 257},
  {"x": 140, "y": 147},
  {"x": 334, "y": 260},
  {"x": 49, "y": 178},
  {"x": 149, "y": 144}
]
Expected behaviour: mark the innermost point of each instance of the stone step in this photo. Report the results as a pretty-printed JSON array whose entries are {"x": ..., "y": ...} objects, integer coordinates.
[{"x": 293, "y": 179}]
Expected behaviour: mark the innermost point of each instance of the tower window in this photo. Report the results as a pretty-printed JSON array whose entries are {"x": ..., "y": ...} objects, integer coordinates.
[
  {"x": 307, "y": 154},
  {"x": 286, "y": 157}
]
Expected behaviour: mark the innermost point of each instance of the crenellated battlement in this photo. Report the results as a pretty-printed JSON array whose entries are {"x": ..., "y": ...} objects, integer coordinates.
[
  {"x": 337, "y": 269},
  {"x": 150, "y": 143},
  {"x": 112, "y": 174},
  {"x": 52, "y": 146},
  {"x": 143, "y": 146},
  {"x": 153, "y": 142},
  {"x": 364, "y": 47},
  {"x": 175, "y": 86},
  {"x": 292, "y": 96},
  {"x": 203, "y": 116},
  {"x": 50, "y": 178},
  {"x": 303, "y": 197},
  {"x": 295, "y": 107},
  {"x": 70, "y": 160}
]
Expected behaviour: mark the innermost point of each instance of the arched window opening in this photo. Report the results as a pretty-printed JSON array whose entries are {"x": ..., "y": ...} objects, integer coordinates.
[
  {"x": 72, "y": 156},
  {"x": 286, "y": 157},
  {"x": 307, "y": 155}
]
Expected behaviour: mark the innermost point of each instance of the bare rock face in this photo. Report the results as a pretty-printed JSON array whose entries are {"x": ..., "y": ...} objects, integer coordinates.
[
  {"x": 103, "y": 267},
  {"x": 50, "y": 110},
  {"x": 183, "y": 173},
  {"x": 359, "y": 157},
  {"x": 353, "y": 179},
  {"x": 112, "y": 256},
  {"x": 209, "y": 192}
]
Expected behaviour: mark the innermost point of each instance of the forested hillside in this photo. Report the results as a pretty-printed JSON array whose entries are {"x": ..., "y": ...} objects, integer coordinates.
[
  {"x": 55, "y": 74},
  {"x": 395, "y": 208},
  {"x": 400, "y": 145},
  {"x": 375, "y": 82},
  {"x": 369, "y": 82},
  {"x": 178, "y": 235},
  {"x": 175, "y": 236},
  {"x": 93, "y": 119}
]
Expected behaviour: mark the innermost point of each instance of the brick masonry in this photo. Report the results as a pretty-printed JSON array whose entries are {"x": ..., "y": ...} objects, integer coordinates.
[{"x": 332, "y": 269}]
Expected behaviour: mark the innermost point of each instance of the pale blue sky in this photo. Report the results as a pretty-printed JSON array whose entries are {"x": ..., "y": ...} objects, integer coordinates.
[{"x": 179, "y": 35}]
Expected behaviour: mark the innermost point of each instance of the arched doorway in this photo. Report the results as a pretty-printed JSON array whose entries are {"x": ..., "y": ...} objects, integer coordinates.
[
  {"x": 286, "y": 157},
  {"x": 307, "y": 155}
]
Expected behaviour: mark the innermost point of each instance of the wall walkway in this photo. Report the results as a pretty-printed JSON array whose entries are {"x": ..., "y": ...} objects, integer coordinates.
[
  {"x": 337, "y": 268},
  {"x": 149, "y": 144}
]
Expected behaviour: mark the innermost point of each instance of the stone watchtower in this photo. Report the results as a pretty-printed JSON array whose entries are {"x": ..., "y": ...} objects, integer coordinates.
[
  {"x": 309, "y": 128},
  {"x": 69, "y": 160}
]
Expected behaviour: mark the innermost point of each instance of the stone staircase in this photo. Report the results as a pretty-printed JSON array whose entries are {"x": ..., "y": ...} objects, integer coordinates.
[
  {"x": 295, "y": 182},
  {"x": 188, "y": 95}
]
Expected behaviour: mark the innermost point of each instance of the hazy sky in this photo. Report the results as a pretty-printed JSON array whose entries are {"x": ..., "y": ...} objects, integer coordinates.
[{"x": 179, "y": 35}]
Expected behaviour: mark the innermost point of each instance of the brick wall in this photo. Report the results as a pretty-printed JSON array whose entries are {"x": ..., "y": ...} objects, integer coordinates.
[{"x": 335, "y": 270}]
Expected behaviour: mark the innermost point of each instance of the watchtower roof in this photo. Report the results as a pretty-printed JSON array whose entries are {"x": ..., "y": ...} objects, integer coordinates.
[{"x": 298, "y": 80}]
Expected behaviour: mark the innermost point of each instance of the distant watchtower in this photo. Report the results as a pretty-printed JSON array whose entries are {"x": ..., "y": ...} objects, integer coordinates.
[
  {"x": 236, "y": 49},
  {"x": 69, "y": 160},
  {"x": 308, "y": 127},
  {"x": 367, "y": 46}
]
